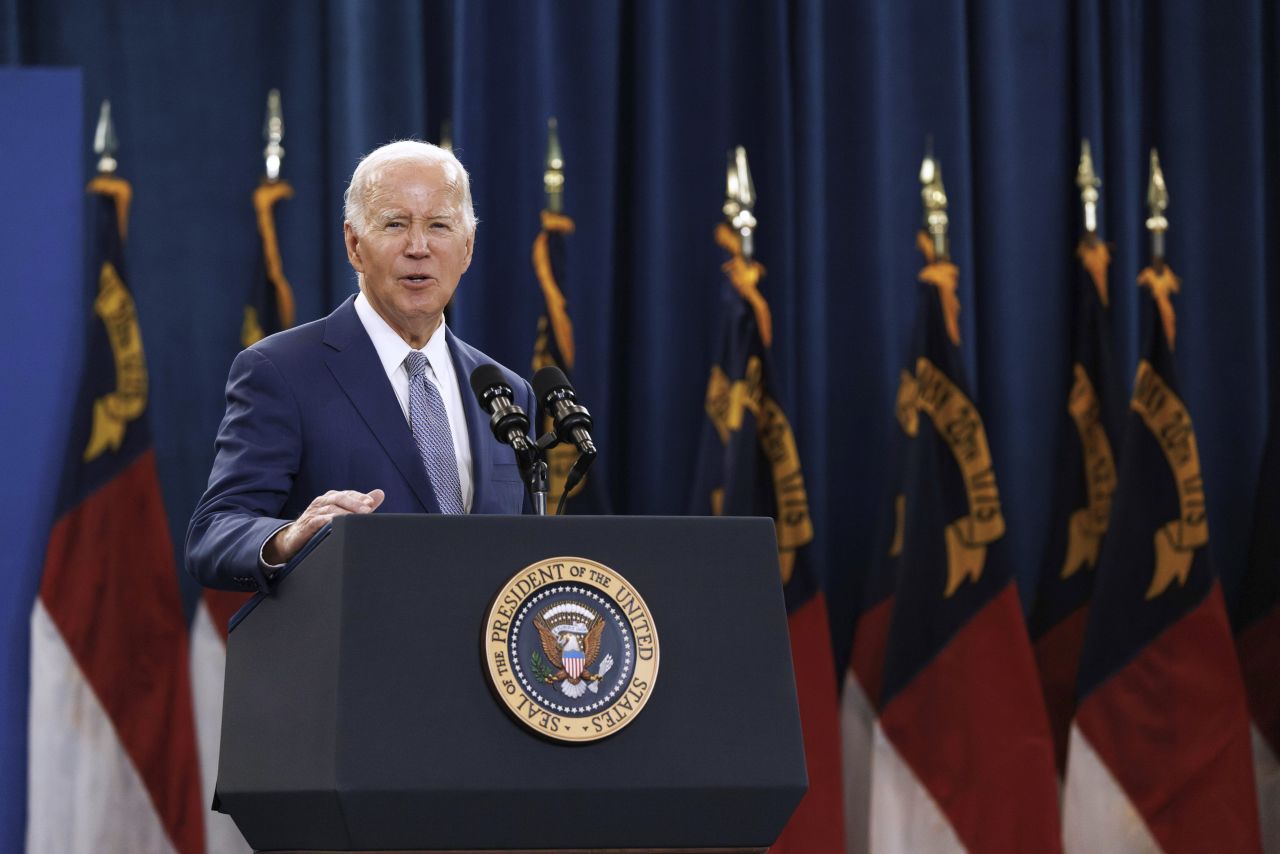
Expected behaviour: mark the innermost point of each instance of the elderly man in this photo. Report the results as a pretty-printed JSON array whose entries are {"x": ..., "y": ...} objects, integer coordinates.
[{"x": 369, "y": 408}]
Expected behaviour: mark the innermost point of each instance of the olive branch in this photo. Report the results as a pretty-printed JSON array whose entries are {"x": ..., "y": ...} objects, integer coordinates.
[{"x": 540, "y": 668}]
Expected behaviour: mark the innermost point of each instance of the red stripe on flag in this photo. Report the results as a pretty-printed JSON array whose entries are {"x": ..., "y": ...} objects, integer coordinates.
[
  {"x": 1058, "y": 659},
  {"x": 222, "y": 605},
  {"x": 110, "y": 587},
  {"x": 818, "y": 823},
  {"x": 870, "y": 640},
  {"x": 1259, "y": 650},
  {"x": 1173, "y": 728},
  {"x": 972, "y": 728}
]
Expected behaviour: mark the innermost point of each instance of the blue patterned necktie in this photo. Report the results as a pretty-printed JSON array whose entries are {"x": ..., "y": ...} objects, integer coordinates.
[{"x": 430, "y": 424}]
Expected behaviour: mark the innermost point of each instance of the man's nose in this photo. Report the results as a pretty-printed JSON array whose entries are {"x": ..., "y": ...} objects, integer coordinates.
[{"x": 418, "y": 245}]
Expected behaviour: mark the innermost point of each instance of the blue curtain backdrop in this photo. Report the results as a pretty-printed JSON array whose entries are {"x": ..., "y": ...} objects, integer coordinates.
[{"x": 833, "y": 102}]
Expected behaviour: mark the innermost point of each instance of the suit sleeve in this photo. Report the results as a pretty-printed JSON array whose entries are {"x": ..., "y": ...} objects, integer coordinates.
[{"x": 258, "y": 452}]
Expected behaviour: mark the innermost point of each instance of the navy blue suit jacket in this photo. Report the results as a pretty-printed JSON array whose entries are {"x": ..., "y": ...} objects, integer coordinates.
[{"x": 311, "y": 409}]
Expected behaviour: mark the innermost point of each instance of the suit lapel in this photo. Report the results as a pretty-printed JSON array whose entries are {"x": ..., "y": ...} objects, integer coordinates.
[
  {"x": 355, "y": 365},
  {"x": 466, "y": 360}
]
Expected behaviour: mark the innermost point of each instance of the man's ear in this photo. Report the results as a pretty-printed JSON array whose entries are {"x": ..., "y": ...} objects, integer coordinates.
[
  {"x": 352, "y": 241},
  {"x": 471, "y": 244}
]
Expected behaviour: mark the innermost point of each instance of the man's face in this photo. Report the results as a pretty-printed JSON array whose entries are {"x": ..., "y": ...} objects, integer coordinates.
[{"x": 414, "y": 249}]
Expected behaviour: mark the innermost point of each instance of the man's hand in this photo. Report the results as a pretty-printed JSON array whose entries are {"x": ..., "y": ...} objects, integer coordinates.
[{"x": 290, "y": 539}]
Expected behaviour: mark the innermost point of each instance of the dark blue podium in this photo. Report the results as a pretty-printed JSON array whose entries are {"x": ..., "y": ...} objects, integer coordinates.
[{"x": 359, "y": 716}]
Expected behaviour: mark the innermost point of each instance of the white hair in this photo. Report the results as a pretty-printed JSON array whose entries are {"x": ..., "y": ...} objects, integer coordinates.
[{"x": 374, "y": 164}]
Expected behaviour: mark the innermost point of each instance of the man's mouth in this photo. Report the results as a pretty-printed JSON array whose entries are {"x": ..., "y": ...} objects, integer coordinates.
[{"x": 416, "y": 279}]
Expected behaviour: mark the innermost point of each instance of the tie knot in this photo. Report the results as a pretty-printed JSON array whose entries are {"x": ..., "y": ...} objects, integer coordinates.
[{"x": 416, "y": 363}]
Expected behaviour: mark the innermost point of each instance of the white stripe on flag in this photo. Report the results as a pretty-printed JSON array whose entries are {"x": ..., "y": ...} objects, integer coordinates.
[
  {"x": 1097, "y": 815},
  {"x": 856, "y": 720},
  {"x": 1266, "y": 770},
  {"x": 208, "y": 662},
  {"x": 904, "y": 816},
  {"x": 83, "y": 792}
]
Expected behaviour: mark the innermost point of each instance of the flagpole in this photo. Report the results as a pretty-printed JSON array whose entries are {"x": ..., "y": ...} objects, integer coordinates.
[
  {"x": 105, "y": 143},
  {"x": 1088, "y": 182},
  {"x": 934, "y": 198},
  {"x": 1157, "y": 204},
  {"x": 273, "y": 133},
  {"x": 553, "y": 176},
  {"x": 740, "y": 200}
]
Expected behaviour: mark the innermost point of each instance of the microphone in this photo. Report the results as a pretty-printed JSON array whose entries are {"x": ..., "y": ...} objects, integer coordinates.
[
  {"x": 572, "y": 421},
  {"x": 510, "y": 423}
]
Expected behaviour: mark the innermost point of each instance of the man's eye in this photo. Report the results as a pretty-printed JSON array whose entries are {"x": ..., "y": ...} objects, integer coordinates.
[
  {"x": 394, "y": 224},
  {"x": 440, "y": 226}
]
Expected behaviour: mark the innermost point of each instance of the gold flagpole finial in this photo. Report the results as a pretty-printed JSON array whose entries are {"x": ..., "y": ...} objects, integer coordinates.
[
  {"x": 446, "y": 135},
  {"x": 1157, "y": 204},
  {"x": 273, "y": 133},
  {"x": 105, "y": 144},
  {"x": 934, "y": 197},
  {"x": 740, "y": 200},
  {"x": 553, "y": 176},
  {"x": 1088, "y": 182}
]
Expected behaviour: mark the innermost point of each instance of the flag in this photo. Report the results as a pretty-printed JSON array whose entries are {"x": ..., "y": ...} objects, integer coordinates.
[
  {"x": 268, "y": 308},
  {"x": 554, "y": 347},
  {"x": 1083, "y": 486},
  {"x": 112, "y": 748},
  {"x": 1159, "y": 755},
  {"x": 749, "y": 466},
  {"x": 1257, "y": 629},
  {"x": 860, "y": 695},
  {"x": 269, "y": 305},
  {"x": 962, "y": 756}
]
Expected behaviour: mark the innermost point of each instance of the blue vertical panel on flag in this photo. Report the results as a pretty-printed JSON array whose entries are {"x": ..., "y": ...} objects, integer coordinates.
[{"x": 40, "y": 338}]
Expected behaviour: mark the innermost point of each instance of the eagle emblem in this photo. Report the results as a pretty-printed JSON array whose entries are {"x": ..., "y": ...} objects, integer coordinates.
[{"x": 570, "y": 639}]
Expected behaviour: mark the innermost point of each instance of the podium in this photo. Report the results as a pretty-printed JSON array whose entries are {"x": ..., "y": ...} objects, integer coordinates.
[{"x": 359, "y": 714}]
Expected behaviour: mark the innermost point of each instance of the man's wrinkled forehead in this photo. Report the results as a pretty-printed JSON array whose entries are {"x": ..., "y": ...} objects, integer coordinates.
[{"x": 387, "y": 187}]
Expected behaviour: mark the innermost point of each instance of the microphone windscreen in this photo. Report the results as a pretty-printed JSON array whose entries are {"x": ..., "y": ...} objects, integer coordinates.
[
  {"x": 548, "y": 380},
  {"x": 486, "y": 376}
]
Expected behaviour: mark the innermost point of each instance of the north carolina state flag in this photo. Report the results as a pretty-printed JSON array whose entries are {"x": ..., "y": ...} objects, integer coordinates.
[
  {"x": 112, "y": 759},
  {"x": 749, "y": 465},
  {"x": 1159, "y": 755},
  {"x": 1083, "y": 486},
  {"x": 963, "y": 757}
]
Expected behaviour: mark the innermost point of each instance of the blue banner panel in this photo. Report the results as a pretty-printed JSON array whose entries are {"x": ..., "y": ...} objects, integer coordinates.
[{"x": 42, "y": 151}]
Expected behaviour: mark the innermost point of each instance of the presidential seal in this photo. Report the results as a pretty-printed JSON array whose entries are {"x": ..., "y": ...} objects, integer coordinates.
[{"x": 571, "y": 649}]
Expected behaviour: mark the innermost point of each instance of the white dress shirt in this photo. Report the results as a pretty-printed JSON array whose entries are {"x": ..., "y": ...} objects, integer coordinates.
[{"x": 392, "y": 351}]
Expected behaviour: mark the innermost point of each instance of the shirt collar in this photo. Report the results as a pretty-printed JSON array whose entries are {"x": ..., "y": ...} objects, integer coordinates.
[{"x": 391, "y": 348}]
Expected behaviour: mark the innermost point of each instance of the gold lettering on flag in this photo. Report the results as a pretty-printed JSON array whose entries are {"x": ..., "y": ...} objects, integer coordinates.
[
  {"x": 1088, "y": 524},
  {"x": 727, "y": 402},
  {"x": 960, "y": 426},
  {"x": 1167, "y": 418},
  {"x": 112, "y": 412}
]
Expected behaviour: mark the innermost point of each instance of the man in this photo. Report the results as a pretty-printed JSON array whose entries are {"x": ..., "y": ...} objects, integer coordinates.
[{"x": 369, "y": 408}]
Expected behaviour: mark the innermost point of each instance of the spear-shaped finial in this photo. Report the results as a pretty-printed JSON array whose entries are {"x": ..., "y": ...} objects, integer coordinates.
[
  {"x": 1157, "y": 204},
  {"x": 1088, "y": 182},
  {"x": 740, "y": 199},
  {"x": 553, "y": 176},
  {"x": 273, "y": 133},
  {"x": 934, "y": 198},
  {"x": 446, "y": 135},
  {"x": 105, "y": 143}
]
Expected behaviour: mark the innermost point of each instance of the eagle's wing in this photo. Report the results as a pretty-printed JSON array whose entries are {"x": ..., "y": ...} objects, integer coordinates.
[
  {"x": 592, "y": 642},
  {"x": 549, "y": 646}
]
